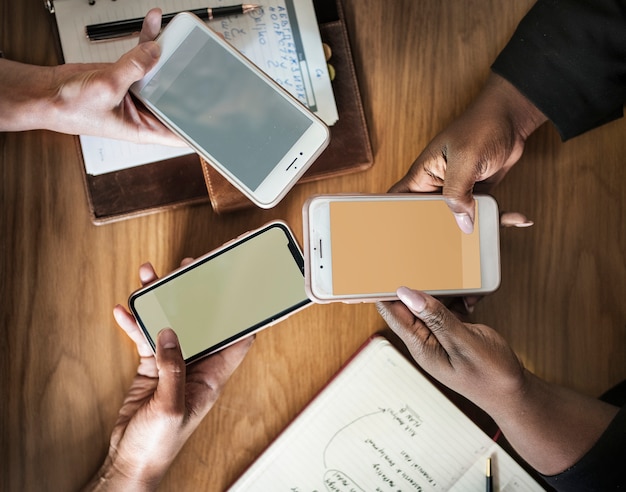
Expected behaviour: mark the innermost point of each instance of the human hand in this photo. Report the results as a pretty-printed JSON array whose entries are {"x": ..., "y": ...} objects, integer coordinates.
[
  {"x": 164, "y": 405},
  {"x": 471, "y": 359},
  {"x": 551, "y": 427},
  {"x": 479, "y": 147},
  {"x": 464, "y": 305},
  {"x": 85, "y": 98},
  {"x": 101, "y": 92}
]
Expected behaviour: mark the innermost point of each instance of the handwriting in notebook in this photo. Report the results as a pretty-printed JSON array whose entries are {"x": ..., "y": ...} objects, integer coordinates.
[
  {"x": 381, "y": 426},
  {"x": 271, "y": 39},
  {"x": 393, "y": 463}
]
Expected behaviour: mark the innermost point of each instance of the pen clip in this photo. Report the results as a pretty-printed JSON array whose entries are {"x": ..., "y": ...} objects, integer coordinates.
[
  {"x": 49, "y": 6},
  {"x": 115, "y": 37}
]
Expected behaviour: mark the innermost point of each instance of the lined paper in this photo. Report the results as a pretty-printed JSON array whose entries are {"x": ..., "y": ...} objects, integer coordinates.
[{"x": 380, "y": 425}]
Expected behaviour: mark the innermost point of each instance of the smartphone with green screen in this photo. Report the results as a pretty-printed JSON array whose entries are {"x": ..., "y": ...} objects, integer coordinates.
[{"x": 244, "y": 286}]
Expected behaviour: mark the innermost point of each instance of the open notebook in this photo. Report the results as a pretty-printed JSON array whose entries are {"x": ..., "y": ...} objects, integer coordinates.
[{"x": 380, "y": 425}]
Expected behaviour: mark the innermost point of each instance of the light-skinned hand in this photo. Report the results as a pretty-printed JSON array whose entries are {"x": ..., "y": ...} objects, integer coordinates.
[{"x": 85, "y": 98}]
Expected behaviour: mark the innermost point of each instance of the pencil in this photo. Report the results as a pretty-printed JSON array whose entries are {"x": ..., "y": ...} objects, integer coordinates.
[
  {"x": 129, "y": 27},
  {"x": 488, "y": 477}
]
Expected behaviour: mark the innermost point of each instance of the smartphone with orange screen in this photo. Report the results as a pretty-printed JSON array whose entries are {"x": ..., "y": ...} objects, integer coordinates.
[{"x": 361, "y": 248}]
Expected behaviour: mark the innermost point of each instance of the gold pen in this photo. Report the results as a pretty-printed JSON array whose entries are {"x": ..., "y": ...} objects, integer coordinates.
[{"x": 488, "y": 476}]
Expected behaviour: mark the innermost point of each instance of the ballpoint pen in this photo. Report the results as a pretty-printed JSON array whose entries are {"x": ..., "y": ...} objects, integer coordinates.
[{"x": 128, "y": 27}]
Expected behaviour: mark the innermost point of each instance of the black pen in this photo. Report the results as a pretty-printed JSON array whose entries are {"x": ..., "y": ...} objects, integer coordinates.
[
  {"x": 128, "y": 27},
  {"x": 489, "y": 478}
]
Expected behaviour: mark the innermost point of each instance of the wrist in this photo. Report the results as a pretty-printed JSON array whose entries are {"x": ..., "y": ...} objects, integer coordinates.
[
  {"x": 511, "y": 402},
  {"x": 114, "y": 474},
  {"x": 551, "y": 427},
  {"x": 27, "y": 91},
  {"x": 524, "y": 116}
]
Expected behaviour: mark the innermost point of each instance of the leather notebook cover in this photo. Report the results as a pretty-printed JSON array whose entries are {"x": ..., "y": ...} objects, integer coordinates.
[{"x": 145, "y": 189}]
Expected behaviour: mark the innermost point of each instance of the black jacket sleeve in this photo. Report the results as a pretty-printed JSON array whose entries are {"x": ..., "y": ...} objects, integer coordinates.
[
  {"x": 569, "y": 58},
  {"x": 603, "y": 468}
]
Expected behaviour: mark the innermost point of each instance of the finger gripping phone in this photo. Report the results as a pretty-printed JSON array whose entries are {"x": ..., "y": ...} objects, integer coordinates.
[
  {"x": 230, "y": 112},
  {"x": 246, "y": 285},
  {"x": 361, "y": 248}
]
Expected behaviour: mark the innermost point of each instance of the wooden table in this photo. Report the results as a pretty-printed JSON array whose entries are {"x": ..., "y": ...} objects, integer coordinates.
[{"x": 66, "y": 366}]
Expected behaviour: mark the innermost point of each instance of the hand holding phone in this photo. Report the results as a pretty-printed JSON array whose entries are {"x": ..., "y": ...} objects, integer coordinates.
[
  {"x": 237, "y": 118},
  {"x": 361, "y": 248},
  {"x": 153, "y": 398},
  {"x": 246, "y": 285}
]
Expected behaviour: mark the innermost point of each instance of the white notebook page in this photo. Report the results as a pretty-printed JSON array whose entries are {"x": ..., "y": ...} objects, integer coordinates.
[{"x": 380, "y": 425}]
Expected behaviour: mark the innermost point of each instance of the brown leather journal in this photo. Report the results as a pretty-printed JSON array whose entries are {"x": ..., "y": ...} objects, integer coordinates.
[
  {"x": 349, "y": 149},
  {"x": 144, "y": 189}
]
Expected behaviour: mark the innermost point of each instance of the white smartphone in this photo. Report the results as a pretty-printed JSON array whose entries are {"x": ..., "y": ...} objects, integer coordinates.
[
  {"x": 250, "y": 129},
  {"x": 361, "y": 248},
  {"x": 248, "y": 284}
]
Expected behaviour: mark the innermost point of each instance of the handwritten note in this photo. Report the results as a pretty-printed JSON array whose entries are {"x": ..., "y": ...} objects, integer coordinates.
[
  {"x": 282, "y": 39},
  {"x": 381, "y": 426}
]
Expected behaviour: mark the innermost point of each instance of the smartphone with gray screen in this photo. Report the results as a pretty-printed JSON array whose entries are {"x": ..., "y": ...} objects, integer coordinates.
[
  {"x": 235, "y": 116},
  {"x": 246, "y": 285}
]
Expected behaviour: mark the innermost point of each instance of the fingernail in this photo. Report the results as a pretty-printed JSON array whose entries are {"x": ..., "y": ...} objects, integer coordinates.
[
  {"x": 152, "y": 48},
  {"x": 414, "y": 300},
  {"x": 464, "y": 222},
  {"x": 468, "y": 308},
  {"x": 168, "y": 339},
  {"x": 525, "y": 224}
]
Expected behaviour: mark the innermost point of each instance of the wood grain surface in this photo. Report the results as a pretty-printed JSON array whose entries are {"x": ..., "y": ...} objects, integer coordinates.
[{"x": 65, "y": 366}]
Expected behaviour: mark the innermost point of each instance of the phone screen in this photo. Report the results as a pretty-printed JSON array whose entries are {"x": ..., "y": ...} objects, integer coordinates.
[
  {"x": 222, "y": 297},
  {"x": 225, "y": 108},
  {"x": 378, "y": 246}
]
